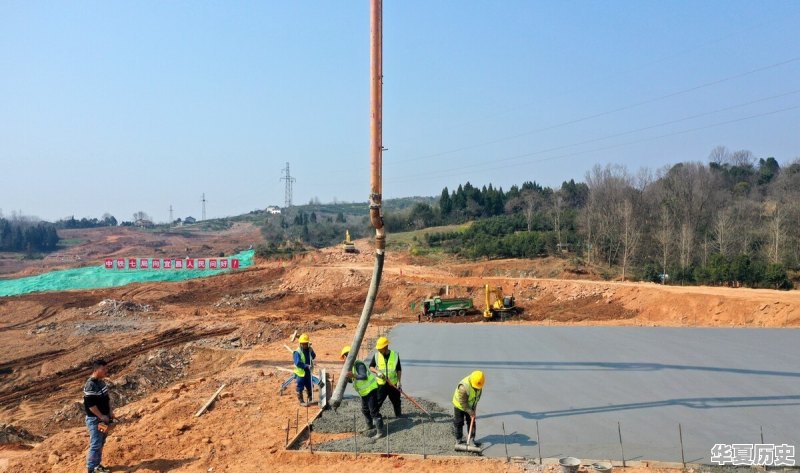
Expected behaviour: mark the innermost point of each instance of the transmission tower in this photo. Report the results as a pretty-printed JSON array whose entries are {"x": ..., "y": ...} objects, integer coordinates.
[
  {"x": 204, "y": 206},
  {"x": 170, "y": 214},
  {"x": 287, "y": 199}
]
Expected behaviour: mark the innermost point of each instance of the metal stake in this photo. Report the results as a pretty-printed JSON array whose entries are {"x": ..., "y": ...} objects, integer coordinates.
[
  {"x": 424, "y": 455},
  {"x": 619, "y": 430},
  {"x": 680, "y": 434},
  {"x": 387, "y": 438},
  {"x": 288, "y": 424},
  {"x": 762, "y": 434},
  {"x": 505, "y": 444},
  {"x": 355, "y": 434},
  {"x": 538, "y": 442},
  {"x": 297, "y": 422},
  {"x": 308, "y": 425}
]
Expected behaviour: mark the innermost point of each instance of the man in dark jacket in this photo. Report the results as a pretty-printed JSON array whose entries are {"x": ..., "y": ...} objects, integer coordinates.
[{"x": 99, "y": 415}]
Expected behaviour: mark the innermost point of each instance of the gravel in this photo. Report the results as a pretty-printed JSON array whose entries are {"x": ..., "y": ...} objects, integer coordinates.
[{"x": 405, "y": 434}]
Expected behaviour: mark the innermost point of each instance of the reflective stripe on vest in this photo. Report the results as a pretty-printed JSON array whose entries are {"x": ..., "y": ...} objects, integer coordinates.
[
  {"x": 364, "y": 386},
  {"x": 391, "y": 370},
  {"x": 474, "y": 396},
  {"x": 297, "y": 370}
]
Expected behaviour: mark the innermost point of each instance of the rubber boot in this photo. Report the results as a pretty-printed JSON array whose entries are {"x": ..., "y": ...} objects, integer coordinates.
[
  {"x": 300, "y": 398},
  {"x": 380, "y": 429},
  {"x": 370, "y": 430}
]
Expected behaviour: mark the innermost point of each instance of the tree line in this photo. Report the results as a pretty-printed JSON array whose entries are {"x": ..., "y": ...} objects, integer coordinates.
[
  {"x": 21, "y": 235},
  {"x": 734, "y": 220},
  {"x": 107, "y": 220}
]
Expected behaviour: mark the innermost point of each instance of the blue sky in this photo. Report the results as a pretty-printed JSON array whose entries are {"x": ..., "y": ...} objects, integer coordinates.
[{"x": 125, "y": 106}]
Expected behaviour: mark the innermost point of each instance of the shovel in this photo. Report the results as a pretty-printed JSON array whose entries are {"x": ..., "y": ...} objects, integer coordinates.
[{"x": 468, "y": 447}]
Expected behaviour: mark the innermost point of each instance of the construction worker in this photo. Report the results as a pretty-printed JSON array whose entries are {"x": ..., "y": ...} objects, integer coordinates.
[
  {"x": 303, "y": 366},
  {"x": 386, "y": 366},
  {"x": 99, "y": 415},
  {"x": 465, "y": 401},
  {"x": 366, "y": 385}
]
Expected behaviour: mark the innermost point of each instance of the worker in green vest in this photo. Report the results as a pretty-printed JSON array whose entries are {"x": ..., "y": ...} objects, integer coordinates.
[
  {"x": 366, "y": 385},
  {"x": 386, "y": 366},
  {"x": 303, "y": 359},
  {"x": 465, "y": 401}
]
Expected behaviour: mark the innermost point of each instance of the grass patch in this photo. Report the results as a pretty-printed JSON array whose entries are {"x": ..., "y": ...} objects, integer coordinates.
[
  {"x": 414, "y": 241},
  {"x": 67, "y": 242}
]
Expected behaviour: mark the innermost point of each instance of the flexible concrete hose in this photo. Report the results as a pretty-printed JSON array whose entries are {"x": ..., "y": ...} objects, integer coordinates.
[
  {"x": 376, "y": 185},
  {"x": 361, "y": 330}
]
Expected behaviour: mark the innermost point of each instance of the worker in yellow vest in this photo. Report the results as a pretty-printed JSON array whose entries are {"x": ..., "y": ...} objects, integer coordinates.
[
  {"x": 366, "y": 385},
  {"x": 303, "y": 359},
  {"x": 386, "y": 366},
  {"x": 465, "y": 401}
]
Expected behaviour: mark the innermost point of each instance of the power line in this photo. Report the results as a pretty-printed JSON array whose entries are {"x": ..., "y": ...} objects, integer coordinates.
[
  {"x": 484, "y": 166},
  {"x": 605, "y": 113},
  {"x": 642, "y": 66}
]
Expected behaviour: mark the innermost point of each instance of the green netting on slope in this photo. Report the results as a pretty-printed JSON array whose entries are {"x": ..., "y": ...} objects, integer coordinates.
[{"x": 95, "y": 277}]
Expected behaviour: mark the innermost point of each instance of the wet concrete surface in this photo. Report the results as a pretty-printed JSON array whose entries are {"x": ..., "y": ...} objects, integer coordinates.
[
  {"x": 415, "y": 432},
  {"x": 721, "y": 385}
]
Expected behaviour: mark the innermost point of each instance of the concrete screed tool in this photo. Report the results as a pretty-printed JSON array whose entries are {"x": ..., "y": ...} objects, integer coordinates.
[
  {"x": 411, "y": 399},
  {"x": 469, "y": 447}
]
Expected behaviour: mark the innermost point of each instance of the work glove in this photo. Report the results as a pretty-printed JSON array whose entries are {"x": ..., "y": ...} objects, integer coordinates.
[
  {"x": 399, "y": 386},
  {"x": 471, "y": 413},
  {"x": 308, "y": 368},
  {"x": 381, "y": 375}
]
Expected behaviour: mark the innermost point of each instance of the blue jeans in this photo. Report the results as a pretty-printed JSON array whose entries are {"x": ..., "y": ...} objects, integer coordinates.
[
  {"x": 96, "y": 441},
  {"x": 304, "y": 382}
]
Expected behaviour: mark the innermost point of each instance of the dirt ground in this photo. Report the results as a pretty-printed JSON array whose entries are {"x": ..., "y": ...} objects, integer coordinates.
[
  {"x": 92, "y": 245},
  {"x": 173, "y": 344}
]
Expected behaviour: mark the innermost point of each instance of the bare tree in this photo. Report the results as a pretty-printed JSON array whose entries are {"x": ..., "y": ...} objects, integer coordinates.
[
  {"x": 664, "y": 235},
  {"x": 742, "y": 158},
  {"x": 776, "y": 218},
  {"x": 558, "y": 204},
  {"x": 722, "y": 224},
  {"x": 719, "y": 155},
  {"x": 140, "y": 216},
  {"x": 631, "y": 234},
  {"x": 609, "y": 186},
  {"x": 687, "y": 191},
  {"x": 528, "y": 202}
]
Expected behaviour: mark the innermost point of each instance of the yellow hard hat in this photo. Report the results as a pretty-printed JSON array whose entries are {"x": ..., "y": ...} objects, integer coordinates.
[
  {"x": 476, "y": 379},
  {"x": 382, "y": 343},
  {"x": 344, "y": 352},
  {"x": 304, "y": 338}
]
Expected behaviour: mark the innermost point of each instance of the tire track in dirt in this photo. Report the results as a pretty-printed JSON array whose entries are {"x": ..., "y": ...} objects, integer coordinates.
[
  {"x": 47, "y": 386},
  {"x": 9, "y": 366},
  {"x": 46, "y": 313}
]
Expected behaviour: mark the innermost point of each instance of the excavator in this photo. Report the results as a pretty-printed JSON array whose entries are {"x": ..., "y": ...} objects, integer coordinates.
[
  {"x": 498, "y": 305},
  {"x": 347, "y": 245}
]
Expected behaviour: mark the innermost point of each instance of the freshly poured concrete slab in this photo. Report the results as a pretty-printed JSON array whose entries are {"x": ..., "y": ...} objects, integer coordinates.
[{"x": 721, "y": 385}]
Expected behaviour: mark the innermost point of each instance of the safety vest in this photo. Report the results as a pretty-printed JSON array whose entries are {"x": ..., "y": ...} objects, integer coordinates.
[
  {"x": 297, "y": 370},
  {"x": 364, "y": 386},
  {"x": 389, "y": 369},
  {"x": 474, "y": 396}
]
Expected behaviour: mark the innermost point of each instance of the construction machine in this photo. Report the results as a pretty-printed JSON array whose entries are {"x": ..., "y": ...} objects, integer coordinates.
[
  {"x": 499, "y": 305},
  {"x": 445, "y": 307},
  {"x": 347, "y": 245}
]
